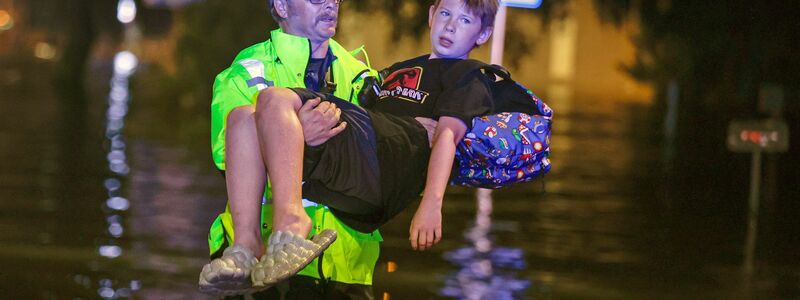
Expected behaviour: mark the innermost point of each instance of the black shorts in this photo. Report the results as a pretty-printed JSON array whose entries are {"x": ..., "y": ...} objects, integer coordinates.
[{"x": 343, "y": 173}]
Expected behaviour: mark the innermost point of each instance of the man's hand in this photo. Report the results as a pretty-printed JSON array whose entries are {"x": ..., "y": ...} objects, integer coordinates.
[
  {"x": 426, "y": 227},
  {"x": 319, "y": 121}
]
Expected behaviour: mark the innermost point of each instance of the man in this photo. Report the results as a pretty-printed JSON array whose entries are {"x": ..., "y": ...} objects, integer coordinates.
[{"x": 299, "y": 54}]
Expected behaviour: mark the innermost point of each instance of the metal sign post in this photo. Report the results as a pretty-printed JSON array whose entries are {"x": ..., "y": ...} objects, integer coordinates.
[
  {"x": 499, "y": 33},
  {"x": 770, "y": 136}
]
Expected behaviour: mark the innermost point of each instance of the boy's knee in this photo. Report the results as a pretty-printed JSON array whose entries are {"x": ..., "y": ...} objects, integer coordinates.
[
  {"x": 276, "y": 96},
  {"x": 240, "y": 115}
]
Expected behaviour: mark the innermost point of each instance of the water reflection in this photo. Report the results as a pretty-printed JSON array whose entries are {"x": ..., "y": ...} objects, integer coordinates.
[
  {"x": 124, "y": 66},
  {"x": 485, "y": 271}
]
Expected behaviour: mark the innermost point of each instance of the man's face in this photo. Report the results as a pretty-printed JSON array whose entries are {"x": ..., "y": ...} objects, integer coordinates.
[
  {"x": 454, "y": 30},
  {"x": 316, "y": 22}
]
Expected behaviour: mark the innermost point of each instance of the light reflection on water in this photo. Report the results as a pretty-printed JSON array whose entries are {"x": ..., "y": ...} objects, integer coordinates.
[
  {"x": 485, "y": 271},
  {"x": 124, "y": 66}
]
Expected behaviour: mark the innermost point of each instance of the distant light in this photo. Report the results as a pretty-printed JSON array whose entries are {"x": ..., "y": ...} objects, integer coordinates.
[
  {"x": 118, "y": 203},
  {"x": 117, "y": 143},
  {"x": 126, "y": 11},
  {"x": 6, "y": 21},
  {"x": 534, "y": 4},
  {"x": 123, "y": 292},
  {"x": 391, "y": 267},
  {"x": 125, "y": 63},
  {"x": 118, "y": 94},
  {"x": 110, "y": 251},
  {"x": 115, "y": 229},
  {"x": 105, "y": 282},
  {"x": 105, "y": 292},
  {"x": 44, "y": 51},
  {"x": 112, "y": 184},
  {"x": 135, "y": 285},
  {"x": 121, "y": 169},
  {"x": 386, "y": 296},
  {"x": 116, "y": 156}
]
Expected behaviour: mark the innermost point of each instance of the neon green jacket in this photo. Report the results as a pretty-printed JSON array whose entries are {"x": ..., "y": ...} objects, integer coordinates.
[{"x": 281, "y": 61}]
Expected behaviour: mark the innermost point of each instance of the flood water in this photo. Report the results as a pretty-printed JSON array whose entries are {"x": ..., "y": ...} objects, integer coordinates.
[{"x": 600, "y": 228}]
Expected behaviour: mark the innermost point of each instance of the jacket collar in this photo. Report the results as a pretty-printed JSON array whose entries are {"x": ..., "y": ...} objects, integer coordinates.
[{"x": 296, "y": 50}]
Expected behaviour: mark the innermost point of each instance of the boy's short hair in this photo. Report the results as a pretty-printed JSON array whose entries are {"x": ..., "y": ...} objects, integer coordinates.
[{"x": 485, "y": 9}]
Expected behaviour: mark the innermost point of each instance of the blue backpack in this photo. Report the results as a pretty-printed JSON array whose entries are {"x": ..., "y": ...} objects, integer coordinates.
[{"x": 507, "y": 147}]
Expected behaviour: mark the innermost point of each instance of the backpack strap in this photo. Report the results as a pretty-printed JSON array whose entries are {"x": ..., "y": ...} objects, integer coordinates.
[
  {"x": 507, "y": 94},
  {"x": 463, "y": 68}
]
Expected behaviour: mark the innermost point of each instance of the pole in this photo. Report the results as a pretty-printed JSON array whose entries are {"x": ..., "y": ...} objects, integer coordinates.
[
  {"x": 498, "y": 45},
  {"x": 499, "y": 36},
  {"x": 752, "y": 226}
]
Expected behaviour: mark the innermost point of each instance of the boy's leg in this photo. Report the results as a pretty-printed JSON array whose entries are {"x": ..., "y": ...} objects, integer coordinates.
[
  {"x": 281, "y": 139},
  {"x": 245, "y": 180},
  {"x": 281, "y": 143}
]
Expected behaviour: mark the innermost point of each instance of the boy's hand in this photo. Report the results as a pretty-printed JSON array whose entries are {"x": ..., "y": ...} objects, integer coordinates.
[
  {"x": 319, "y": 121},
  {"x": 426, "y": 227}
]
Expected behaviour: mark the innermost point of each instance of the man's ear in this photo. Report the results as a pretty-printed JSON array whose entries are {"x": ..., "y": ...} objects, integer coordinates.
[
  {"x": 430, "y": 15},
  {"x": 282, "y": 8},
  {"x": 486, "y": 33}
]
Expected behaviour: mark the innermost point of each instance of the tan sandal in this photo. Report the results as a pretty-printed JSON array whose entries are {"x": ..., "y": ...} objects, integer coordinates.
[
  {"x": 230, "y": 274},
  {"x": 287, "y": 254}
]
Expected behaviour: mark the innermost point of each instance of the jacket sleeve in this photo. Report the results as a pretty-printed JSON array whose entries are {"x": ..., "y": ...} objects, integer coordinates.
[{"x": 230, "y": 91}]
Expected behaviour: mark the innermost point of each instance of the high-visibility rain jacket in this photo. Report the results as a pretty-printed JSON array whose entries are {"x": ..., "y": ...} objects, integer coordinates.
[{"x": 281, "y": 61}]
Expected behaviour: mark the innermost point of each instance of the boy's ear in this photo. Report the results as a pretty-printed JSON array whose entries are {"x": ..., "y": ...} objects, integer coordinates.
[
  {"x": 431, "y": 10},
  {"x": 282, "y": 8},
  {"x": 485, "y": 34}
]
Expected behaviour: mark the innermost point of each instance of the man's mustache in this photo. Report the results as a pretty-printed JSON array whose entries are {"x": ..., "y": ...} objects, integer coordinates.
[{"x": 327, "y": 16}]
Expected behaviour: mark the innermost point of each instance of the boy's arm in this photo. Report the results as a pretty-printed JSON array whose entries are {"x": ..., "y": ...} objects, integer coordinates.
[{"x": 426, "y": 226}]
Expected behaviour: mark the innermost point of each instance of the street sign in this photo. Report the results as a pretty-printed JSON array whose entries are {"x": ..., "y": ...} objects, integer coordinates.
[
  {"x": 769, "y": 136},
  {"x": 522, "y": 3}
]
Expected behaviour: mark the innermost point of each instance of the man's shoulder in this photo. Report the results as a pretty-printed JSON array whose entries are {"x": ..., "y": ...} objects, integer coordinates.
[
  {"x": 256, "y": 51},
  {"x": 345, "y": 55}
]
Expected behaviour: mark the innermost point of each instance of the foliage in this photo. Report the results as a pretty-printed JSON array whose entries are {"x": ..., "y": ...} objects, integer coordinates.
[
  {"x": 729, "y": 46},
  {"x": 214, "y": 32}
]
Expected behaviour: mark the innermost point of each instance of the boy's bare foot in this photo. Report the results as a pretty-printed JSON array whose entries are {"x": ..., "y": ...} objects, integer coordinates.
[{"x": 298, "y": 223}]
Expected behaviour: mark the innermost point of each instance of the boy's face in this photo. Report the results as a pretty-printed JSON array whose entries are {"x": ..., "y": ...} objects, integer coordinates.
[
  {"x": 316, "y": 22},
  {"x": 454, "y": 30}
]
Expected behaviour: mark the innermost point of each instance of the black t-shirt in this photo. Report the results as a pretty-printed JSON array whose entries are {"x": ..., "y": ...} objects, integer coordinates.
[{"x": 415, "y": 88}]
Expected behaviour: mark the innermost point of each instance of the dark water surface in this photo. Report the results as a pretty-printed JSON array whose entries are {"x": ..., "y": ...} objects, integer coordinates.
[{"x": 607, "y": 226}]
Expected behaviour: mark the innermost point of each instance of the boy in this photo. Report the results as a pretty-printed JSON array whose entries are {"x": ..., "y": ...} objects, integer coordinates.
[{"x": 374, "y": 168}]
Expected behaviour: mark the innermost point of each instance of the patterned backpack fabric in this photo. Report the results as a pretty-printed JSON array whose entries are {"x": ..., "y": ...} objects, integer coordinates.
[{"x": 507, "y": 147}]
